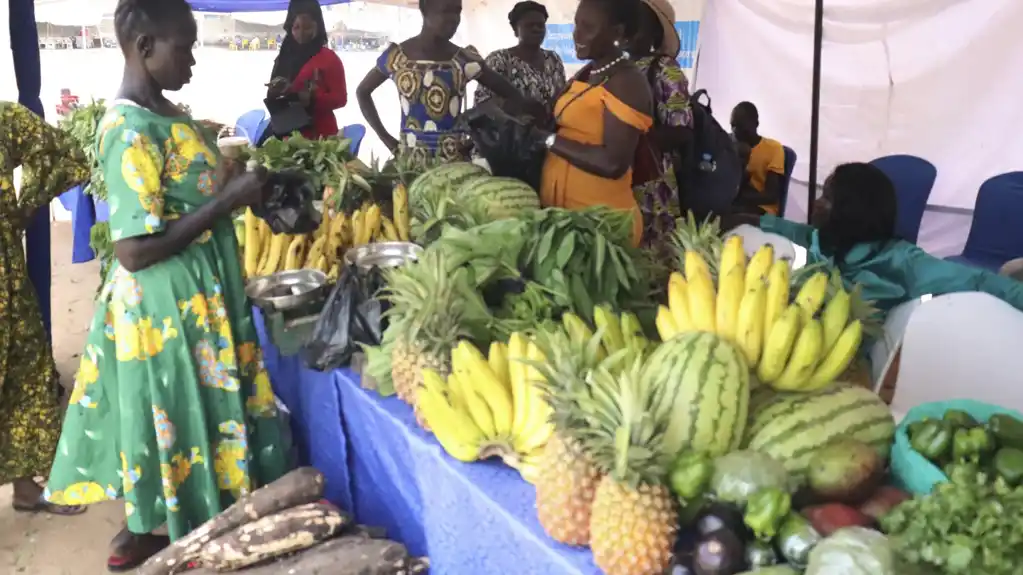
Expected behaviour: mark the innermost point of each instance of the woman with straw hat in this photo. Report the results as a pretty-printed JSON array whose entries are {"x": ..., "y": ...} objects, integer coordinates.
[{"x": 654, "y": 49}]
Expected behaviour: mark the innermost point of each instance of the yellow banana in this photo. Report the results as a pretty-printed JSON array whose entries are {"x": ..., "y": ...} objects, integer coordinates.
[
  {"x": 700, "y": 292},
  {"x": 632, "y": 331},
  {"x": 321, "y": 264},
  {"x": 760, "y": 264},
  {"x": 387, "y": 230},
  {"x": 497, "y": 358},
  {"x": 477, "y": 407},
  {"x": 517, "y": 350},
  {"x": 529, "y": 467},
  {"x": 252, "y": 244},
  {"x": 399, "y": 199},
  {"x": 750, "y": 329},
  {"x": 324, "y": 227},
  {"x": 358, "y": 225},
  {"x": 576, "y": 328},
  {"x": 606, "y": 319},
  {"x": 835, "y": 317},
  {"x": 538, "y": 428},
  {"x": 678, "y": 302},
  {"x": 778, "y": 344},
  {"x": 450, "y": 426},
  {"x": 777, "y": 294},
  {"x": 666, "y": 327},
  {"x": 459, "y": 423},
  {"x": 732, "y": 254},
  {"x": 806, "y": 354},
  {"x": 296, "y": 253},
  {"x": 473, "y": 370},
  {"x": 372, "y": 223},
  {"x": 334, "y": 271},
  {"x": 838, "y": 359},
  {"x": 730, "y": 292},
  {"x": 265, "y": 239},
  {"x": 811, "y": 295},
  {"x": 315, "y": 251},
  {"x": 278, "y": 247}
]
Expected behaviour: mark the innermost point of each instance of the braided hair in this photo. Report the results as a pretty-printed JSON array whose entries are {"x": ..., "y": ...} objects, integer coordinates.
[
  {"x": 134, "y": 18},
  {"x": 525, "y": 7}
]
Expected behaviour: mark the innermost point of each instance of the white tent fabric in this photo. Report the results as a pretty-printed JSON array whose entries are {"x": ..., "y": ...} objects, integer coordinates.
[{"x": 71, "y": 12}]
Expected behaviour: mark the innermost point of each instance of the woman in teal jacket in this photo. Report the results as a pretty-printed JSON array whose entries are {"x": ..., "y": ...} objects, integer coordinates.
[{"x": 854, "y": 227}]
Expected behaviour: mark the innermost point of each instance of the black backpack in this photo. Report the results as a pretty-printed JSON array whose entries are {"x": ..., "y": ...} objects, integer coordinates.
[{"x": 711, "y": 168}]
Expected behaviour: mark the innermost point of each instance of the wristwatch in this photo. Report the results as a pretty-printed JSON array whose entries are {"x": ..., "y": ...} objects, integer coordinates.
[{"x": 549, "y": 141}]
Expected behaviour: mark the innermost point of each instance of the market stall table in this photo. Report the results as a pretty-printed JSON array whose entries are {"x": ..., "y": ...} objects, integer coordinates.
[{"x": 467, "y": 518}]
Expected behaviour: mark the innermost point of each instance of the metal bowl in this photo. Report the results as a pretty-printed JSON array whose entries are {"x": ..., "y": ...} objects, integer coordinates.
[
  {"x": 287, "y": 290},
  {"x": 382, "y": 255}
]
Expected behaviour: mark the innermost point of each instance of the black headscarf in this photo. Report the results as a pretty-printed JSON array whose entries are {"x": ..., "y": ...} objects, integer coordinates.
[{"x": 294, "y": 55}]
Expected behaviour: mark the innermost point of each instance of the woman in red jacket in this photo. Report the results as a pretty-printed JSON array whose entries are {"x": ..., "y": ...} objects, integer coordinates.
[{"x": 309, "y": 69}]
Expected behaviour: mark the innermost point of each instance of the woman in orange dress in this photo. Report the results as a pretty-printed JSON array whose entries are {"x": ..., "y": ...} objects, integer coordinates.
[{"x": 600, "y": 117}]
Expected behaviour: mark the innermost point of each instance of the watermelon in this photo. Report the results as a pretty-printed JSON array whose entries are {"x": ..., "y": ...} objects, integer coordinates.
[
  {"x": 493, "y": 198},
  {"x": 790, "y": 427},
  {"x": 703, "y": 380},
  {"x": 444, "y": 180}
]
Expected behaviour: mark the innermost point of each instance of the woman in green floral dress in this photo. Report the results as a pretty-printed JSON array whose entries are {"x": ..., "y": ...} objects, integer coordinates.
[
  {"x": 172, "y": 409},
  {"x": 29, "y": 401}
]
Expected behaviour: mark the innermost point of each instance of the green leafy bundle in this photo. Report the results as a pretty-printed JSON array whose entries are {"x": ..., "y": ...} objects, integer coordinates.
[
  {"x": 968, "y": 525},
  {"x": 323, "y": 161}
]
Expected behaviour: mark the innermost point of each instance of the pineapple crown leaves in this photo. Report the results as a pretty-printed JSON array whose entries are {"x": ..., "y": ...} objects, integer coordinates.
[{"x": 704, "y": 238}]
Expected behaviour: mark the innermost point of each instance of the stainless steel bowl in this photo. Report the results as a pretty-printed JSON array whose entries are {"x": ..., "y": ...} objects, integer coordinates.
[
  {"x": 382, "y": 255},
  {"x": 287, "y": 290}
]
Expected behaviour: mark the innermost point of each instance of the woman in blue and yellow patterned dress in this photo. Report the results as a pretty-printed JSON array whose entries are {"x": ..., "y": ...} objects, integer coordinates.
[
  {"x": 172, "y": 408},
  {"x": 431, "y": 74}
]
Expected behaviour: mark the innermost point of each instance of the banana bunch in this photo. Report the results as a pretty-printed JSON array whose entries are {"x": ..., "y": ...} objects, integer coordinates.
[
  {"x": 619, "y": 334},
  {"x": 489, "y": 405},
  {"x": 266, "y": 253},
  {"x": 800, "y": 344}
]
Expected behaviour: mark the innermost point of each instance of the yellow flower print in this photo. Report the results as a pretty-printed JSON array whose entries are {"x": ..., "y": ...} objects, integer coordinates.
[
  {"x": 250, "y": 357},
  {"x": 126, "y": 288},
  {"x": 88, "y": 374},
  {"x": 129, "y": 508},
  {"x": 173, "y": 474},
  {"x": 140, "y": 168},
  {"x": 261, "y": 403},
  {"x": 206, "y": 183},
  {"x": 84, "y": 493},
  {"x": 204, "y": 237},
  {"x": 197, "y": 306},
  {"x": 111, "y": 120},
  {"x": 130, "y": 476},
  {"x": 232, "y": 468},
  {"x": 191, "y": 146},
  {"x": 213, "y": 372},
  {"x": 140, "y": 341}
]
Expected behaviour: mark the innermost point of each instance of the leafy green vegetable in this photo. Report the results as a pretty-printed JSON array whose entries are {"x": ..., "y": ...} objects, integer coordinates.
[{"x": 967, "y": 525}]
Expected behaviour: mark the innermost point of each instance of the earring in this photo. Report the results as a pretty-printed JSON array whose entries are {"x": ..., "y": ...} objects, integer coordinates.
[{"x": 618, "y": 43}]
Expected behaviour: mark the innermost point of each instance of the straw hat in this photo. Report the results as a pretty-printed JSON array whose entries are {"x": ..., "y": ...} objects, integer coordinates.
[{"x": 666, "y": 16}]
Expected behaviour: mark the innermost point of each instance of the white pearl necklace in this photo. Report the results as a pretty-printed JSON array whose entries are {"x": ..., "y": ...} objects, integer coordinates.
[{"x": 608, "y": 66}]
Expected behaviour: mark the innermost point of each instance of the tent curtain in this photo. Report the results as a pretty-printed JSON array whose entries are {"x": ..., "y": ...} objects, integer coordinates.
[{"x": 230, "y": 6}]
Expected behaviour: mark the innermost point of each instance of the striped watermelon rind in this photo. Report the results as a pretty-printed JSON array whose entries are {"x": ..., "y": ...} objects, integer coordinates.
[
  {"x": 432, "y": 184},
  {"x": 791, "y": 427},
  {"x": 494, "y": 198},
  {"x": 704, "y": 380}
]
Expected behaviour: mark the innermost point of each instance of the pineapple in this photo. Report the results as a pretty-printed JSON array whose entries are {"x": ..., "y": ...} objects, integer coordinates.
[
  {"x": 634, "y": 520},
  {"x": 704, "y": 238},
  {"x": 432, "y": 307}
]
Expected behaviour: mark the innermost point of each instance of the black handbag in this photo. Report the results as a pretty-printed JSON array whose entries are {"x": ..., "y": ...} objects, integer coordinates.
[{"x": 287, "y": 115}]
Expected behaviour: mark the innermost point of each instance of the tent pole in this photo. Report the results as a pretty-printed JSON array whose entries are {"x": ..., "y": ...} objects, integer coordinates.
[{"x": 815, "y": 105}]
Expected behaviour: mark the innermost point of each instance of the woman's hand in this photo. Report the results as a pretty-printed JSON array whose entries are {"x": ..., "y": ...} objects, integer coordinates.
[
  {"x": 245, "y": 188},
  {"x": 277, "y": 87}
]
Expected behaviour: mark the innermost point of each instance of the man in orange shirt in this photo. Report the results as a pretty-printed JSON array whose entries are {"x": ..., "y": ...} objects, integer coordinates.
[{"x": 766, "y": 166}]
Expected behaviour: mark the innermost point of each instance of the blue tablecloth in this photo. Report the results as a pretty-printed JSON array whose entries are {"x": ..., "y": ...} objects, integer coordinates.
[{"x": 469, "y": 519}]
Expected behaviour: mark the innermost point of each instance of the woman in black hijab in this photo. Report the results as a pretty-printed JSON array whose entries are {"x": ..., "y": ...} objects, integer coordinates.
[{"x": 307, "y": 72}]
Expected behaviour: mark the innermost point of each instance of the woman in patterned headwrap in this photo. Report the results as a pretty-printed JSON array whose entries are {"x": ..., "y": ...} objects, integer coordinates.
[{"x": 30, "y": 410}]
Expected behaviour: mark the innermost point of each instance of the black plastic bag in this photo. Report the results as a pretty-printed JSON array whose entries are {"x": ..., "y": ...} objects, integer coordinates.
[
  {"x": 508, "y": 144},
  {"x": 287, "y": 204},
  {"x": 352, "y": 315}
]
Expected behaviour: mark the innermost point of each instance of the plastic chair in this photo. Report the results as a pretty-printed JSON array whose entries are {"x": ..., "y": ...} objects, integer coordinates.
[
  {"x": 790, "y": 164},
  {"x": 995, "y": 234},
  {"x": 883, "y": 351},
  {"x": 984, "y": 332},
  {"x": 355, "y": 133},
  {"x": 913, "y": 178},
  {"x": 252, "y": 124},
  {"x": 753, "y": 237}
]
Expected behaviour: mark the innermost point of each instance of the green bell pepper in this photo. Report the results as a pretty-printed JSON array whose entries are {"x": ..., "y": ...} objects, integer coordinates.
[
  {"x": 1007, "y": 430},
  {"x": 933, "y": 440},
  {"x": 972, "y": 444},
  {"x": 1008, "y": 465},
  {"x": 765, "y": 511},
  {"x": 958, "y": 418},
  {"x": 690, "y": 475}
]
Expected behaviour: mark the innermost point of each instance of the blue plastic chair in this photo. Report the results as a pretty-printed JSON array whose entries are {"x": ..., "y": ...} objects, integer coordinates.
[
  {"x": 252, "y": 124},
  {"x": 790, "y": 164},
  {"x": 995, "y": 234},
  {"x": 913, "y": 179},
  {"x": 355, "y": 133}
]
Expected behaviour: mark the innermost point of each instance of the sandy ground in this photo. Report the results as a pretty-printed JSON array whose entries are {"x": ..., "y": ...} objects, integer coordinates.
[{"x": 46, "y": 544}]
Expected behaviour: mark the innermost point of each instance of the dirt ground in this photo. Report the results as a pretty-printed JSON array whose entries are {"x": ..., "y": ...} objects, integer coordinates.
[{"x": 46, "y": 544}]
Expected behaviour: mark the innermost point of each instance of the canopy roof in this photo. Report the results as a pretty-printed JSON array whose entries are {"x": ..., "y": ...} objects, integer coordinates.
[{"x": 228, "y": 6}]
